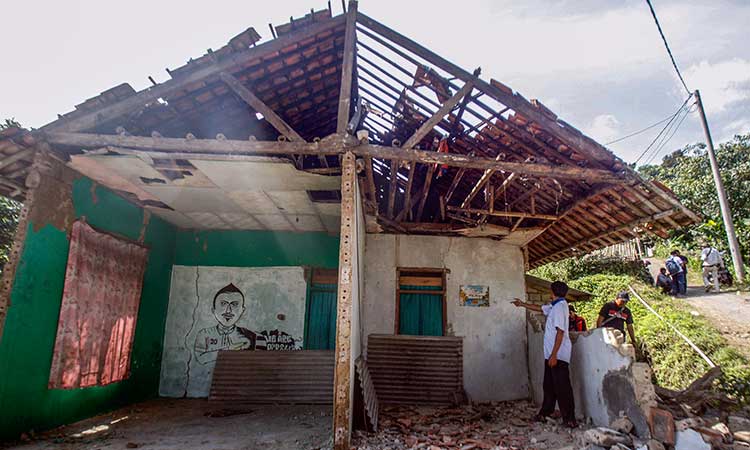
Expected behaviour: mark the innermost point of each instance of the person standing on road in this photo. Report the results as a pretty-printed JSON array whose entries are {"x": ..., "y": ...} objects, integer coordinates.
[
  {"x": 675, "y": 267},
  {"x": 710, "y": 260},
  {"x": 557, "y": 349}
]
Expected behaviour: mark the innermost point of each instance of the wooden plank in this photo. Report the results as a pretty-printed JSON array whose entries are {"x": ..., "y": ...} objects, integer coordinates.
[
  {"x": 330, "y": 145},
  {"x": 169, "y": 87},
  {"x": 409, "y": 184},
  {"x": 370, "y": 180},
  {"x": 454, "y": 184},
  {"x": 342, "y": 405},
  {"x": 257, "y": 104},
  {"x": 425, "y": 191},
  {"x": 393, "y": 187},
  {"x": 23, "y": 154},
  {"x": 347, "y": 68},
  {"x": 430, "y": 123},
  {"x": 420, "y": 281},
  {"x": 499, "y": 213},
  {"x": 479, "y": 184}
]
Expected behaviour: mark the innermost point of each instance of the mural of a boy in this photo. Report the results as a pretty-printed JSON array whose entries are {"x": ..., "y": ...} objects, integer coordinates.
[{"x": 228, "y": 307}]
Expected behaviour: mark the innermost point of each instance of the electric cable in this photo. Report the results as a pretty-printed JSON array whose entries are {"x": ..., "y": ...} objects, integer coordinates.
[
  {"x": 635, "y": 133},
  {"x": 663, "y": 38},
  {"x": 663, "y": 130},
  {"x": 658, "y": 151}
]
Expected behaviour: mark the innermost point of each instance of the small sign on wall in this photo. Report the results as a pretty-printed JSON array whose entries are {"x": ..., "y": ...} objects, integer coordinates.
[{"x": 474, "y": 295}]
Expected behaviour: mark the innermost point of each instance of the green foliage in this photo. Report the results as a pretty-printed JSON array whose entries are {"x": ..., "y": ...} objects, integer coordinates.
[
  {"x": 674, "y": 362},
  {"x": 688, "y": 173},
  {"x": 574, "y": 268},
  {"x": 9, "y": 212}
]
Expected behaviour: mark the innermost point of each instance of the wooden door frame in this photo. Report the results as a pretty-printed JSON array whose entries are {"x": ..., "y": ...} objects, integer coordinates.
[{"x": 442, "y": 272}]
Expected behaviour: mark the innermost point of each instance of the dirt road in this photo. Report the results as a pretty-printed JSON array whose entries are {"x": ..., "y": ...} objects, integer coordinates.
[{"x": 729, "y": 312}]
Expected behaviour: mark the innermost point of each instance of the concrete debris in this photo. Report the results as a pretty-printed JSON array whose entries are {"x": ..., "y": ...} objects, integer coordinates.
[
  {"x": 653, "y": 444},
  {"x": 606, "y": 437},
  {"x": 737, "y": 423},
  {"x": 690, "y": 440},
  {"x": 722, "y": 430},
  {"x": 497, "y": 425},
  {"x": 685, "y": 424},
  {"x": 622, "y": 424}
]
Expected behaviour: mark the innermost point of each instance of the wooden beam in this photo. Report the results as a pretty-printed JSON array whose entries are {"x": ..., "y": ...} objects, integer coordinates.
[
  {"x": 347, "y": 68},
  {"x": 169, "y": 87},
  {"x": 454, "y": 184},
  {"x": 486, "y": 212},
  {"x": 257, "y": 104},
  {"x": 370, "y": 180},
  {"x": 407, "y": 193},
  {"x": 343, "y": 379},
  {"x": 479, "y": 184},
  {"x": 393, "y": 187},
  {"x": 25, "y": 153},
  {"x": 436, "y": 118},
  {"x": 328, "y": 146},
  {"x": 626, "y": 227},
  {"x": 474, "y": 162},
  {"x": 425, "y": 191}
]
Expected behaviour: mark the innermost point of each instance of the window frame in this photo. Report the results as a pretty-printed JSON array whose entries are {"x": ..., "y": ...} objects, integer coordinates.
[{"x": 439, "y": 273}]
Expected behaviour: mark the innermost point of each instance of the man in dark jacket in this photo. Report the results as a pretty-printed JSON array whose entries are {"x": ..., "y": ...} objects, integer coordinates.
[{"x": 617, "y": 315}]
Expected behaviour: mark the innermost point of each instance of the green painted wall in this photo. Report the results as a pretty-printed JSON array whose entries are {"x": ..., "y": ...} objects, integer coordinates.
[
  {"x": 31, "y": 325},
  {"x": 256, "y": 249}
]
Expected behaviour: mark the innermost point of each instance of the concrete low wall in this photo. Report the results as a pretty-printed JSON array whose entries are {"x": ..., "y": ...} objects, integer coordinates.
[
  {"x": 495, "y": 367},
  {"x": 605, "y": 377}
]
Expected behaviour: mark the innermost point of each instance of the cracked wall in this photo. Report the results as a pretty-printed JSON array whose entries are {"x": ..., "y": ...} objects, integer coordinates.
[
  {"x": 495, "y": 366},
  {"x": 273, "y": 310},
  {"x": 605, "y": 377},
  {"x": 31, "y": 324}
]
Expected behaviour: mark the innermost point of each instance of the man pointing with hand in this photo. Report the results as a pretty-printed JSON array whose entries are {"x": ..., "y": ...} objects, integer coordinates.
[{"x": 557, "y": 347}]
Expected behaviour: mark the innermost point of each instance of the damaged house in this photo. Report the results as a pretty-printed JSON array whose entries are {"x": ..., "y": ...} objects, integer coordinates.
[{"x": 332, "y": 213}]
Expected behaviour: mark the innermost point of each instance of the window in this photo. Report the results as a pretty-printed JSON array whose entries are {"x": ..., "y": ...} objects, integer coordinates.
[
  {"x": 420, "y": 302},
  {"x": 320, "y": 323},
  {"x": 99, "y": 308}
]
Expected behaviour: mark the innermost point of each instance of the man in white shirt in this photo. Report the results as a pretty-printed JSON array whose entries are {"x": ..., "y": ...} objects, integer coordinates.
[
  {"x": 557, "y": 348},
  {"x": 711, "y": 260}
]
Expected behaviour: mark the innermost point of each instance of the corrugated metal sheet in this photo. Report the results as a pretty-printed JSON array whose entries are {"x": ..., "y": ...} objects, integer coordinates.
[
  {"x": 417, "y": 370},
  {"x": 268, "y": 377},
  {"x": 368, "y": 390}
]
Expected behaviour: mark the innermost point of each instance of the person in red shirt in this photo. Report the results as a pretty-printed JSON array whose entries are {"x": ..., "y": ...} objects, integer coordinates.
[{"x": 575, "y": 322}]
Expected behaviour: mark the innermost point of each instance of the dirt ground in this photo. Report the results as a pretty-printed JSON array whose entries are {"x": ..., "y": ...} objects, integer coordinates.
[
  {"x": 727, "y": 311},
  {"x": 501, "y": 426},
  {"x": 166, "y": 424}
]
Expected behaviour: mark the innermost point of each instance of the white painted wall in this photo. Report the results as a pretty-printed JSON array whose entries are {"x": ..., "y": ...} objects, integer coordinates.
[
  {"x": 268, "y": 291},
  {"x": 495, "y": 365}
]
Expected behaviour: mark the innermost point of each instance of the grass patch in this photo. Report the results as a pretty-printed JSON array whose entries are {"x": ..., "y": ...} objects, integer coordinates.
[{"x": 674, "y": 362}]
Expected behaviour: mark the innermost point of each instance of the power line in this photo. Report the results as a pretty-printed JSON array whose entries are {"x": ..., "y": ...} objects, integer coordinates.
[
  {"x": 665, "y": 129},
  {"x": 663, "y": 38},
  {"x": 664, "y": 142},
  {"x": 635, "y": 133}
]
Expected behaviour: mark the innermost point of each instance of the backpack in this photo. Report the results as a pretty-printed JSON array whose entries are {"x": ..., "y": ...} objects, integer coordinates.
[{"x": 673, "y": 267}]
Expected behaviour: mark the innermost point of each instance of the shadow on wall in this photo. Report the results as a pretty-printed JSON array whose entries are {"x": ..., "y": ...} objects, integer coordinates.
[{"x": 606, "y": 379}]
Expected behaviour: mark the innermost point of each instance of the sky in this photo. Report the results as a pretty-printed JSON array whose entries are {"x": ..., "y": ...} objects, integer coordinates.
[{"x": 599, "y": 64}]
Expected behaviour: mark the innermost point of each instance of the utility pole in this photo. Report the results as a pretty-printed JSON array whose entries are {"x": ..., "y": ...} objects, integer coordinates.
[{"x": 734, "y": 246}]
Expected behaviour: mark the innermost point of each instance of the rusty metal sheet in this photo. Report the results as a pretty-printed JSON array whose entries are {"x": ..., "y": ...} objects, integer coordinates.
[
  {"x": 418, "y": 370},
  {"x": 273, "y": 377}
]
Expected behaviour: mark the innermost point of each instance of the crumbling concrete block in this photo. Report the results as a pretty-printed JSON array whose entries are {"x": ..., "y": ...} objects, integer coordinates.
[
  {"x": 691, "y": 422},
  {"x": 622, "y": 424},
  {"x": 690, "y": 440},
  {"x": 653, "y": 444},
  {"x": 606, "y": 437}
]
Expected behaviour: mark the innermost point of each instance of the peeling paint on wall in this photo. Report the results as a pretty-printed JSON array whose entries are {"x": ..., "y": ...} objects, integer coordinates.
[{"x": 227, "y": 308}]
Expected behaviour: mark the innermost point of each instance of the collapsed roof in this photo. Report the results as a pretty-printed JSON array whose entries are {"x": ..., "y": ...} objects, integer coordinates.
[{"x": 443, "y": 151}]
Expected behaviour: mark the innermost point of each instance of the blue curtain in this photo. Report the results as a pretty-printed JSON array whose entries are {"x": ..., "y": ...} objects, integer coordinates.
[
  {"x": 321, "y": 326},
  {"x": 421, "y": 314}
]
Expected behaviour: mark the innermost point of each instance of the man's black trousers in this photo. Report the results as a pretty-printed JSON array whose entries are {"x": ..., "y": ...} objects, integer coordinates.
[{"x": 557, "y": 389}]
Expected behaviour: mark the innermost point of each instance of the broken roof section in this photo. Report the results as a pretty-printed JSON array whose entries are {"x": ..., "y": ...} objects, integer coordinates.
[{"x": 444, "y": 151}]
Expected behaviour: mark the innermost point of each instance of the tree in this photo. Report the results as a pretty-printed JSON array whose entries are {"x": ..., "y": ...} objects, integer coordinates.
[
  {"x": 9, "y": 212},
  {"x": 688, "y": 173}
]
